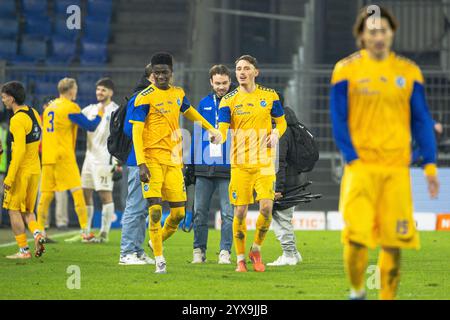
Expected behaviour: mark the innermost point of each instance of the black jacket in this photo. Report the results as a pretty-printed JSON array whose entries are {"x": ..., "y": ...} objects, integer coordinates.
[{"x": 287, "y": 176}]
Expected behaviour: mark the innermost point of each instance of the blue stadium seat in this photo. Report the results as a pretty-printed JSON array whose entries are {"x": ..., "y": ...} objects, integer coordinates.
[
  {"x": 62, "y": 32},
  {"x": 101, "y": 9},
  {"x": 63, "y": 52},
  {"x": 34, "y": 6},
  {"x": 45, "y": 88},
  {"x": 32, "y": 50},
  {"x": 93, "y": 53},
  {"x": 8, "y": 49},
  {"x": 38, "y": 28},
  {"x": 62, "y": 5},
  {"x": 7, "y": 8},
  {"x": 9, "y": 28},
  {"x": 96, "y": 31}
]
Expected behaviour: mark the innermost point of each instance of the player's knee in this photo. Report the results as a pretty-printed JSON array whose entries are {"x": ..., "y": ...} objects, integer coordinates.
[
  {"x": 240, "y": 211},
  {"x": 155, "y": 215},
  {"x": 265, "y": 208}
]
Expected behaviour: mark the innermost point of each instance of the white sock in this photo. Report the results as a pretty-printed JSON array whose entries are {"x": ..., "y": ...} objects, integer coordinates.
[
  {"x": 107, "y": 215},
  {"x": 256, "y": 247},
  {"x": 355, "y": 294},
  {"x": 241, "y": 257},
  {"x": 159, "y": 259},
  {"x": 90, "y": 212}
]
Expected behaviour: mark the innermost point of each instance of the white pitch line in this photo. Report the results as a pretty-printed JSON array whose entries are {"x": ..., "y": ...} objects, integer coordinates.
[{"x": 59, "y": 235}]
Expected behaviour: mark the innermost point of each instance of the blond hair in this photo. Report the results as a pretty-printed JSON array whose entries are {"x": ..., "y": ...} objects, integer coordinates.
[{"x": 64, "y": 85}]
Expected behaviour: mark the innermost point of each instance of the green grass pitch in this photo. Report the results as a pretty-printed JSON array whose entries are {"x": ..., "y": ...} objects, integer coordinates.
[{"x": 425, "y": 273}]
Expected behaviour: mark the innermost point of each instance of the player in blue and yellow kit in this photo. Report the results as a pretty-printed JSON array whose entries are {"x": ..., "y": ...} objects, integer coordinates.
[
  {"x": 157, "y": 141},
  {"x": 60, "y": 170},
  {"x": 248, "y": 111},
  {"x": 22, "y": 182},
  {"x": 377, "y": 106}
]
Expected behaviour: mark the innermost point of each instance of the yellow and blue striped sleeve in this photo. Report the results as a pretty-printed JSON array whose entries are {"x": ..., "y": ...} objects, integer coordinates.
[{"x": 141, "y": 108}]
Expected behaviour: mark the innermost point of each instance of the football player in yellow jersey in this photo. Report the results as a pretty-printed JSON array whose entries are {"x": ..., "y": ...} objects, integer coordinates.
[
  {"x": 249, "y": 111},
  {"x": 157, "y": 143},
  {"x": 22, "y": 181},
  {"x": 377, "y": 106},
  {"x": 60, "y": 171}
]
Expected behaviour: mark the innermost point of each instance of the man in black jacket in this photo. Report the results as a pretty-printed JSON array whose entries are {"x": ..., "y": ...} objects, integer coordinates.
[{"x": 288, "y": 180}]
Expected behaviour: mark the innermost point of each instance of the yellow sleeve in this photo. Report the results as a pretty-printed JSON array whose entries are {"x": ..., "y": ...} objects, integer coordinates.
[
  {"x": 430, "y": 170},
  {"x": 280, "y": 125},
  {"x": 18, "y": 130},
  {"x": 195, "y": 116},
  {"x": 223, "y": 129},
  {"x": 138, "y": 142}
]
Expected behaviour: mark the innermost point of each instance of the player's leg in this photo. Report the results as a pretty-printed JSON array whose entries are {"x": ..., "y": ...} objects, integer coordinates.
[
  {"x": 18, "y": 228},
  {"x": 174, "y": 191},
  {"x": 241, "y": 195},
  {"x": 358, "y": 200},
  {"x": 88, "y": 197},
  {"x": 152, "y": 192},
  {"x": 389, "y": 266},
  {"x": 47, "y": 194},
  {"x": 106, "y": 198},
  {"x": 397, "y": 228},
  {"x": 29, "y": 217},
  {"x": 88, "y": 185},
  {"x": 226, "y": 229},
  {"x": 204, "y": 189}
]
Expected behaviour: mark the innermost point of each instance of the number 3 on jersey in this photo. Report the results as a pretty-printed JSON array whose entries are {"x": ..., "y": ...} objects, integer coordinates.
[{"x": 51, "y": 121}]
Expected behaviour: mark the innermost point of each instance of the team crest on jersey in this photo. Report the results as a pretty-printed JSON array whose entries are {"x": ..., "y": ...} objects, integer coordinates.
[
  {"x": 400, "y": 82},
  {"x": 234, "y": 195},
  {"x": 263, "y": 103},
  {"x": 146, "y": 187},
  {"x": 179, "y": 101}
]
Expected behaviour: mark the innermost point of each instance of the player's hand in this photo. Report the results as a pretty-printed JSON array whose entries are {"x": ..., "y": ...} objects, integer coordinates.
[
  {"x": 215, "y": 136},
  {"x": 272, "y": 140},
  {"x": 117, "y": 172},
  {"x": 101, "y": 110},
  {"x": 433, "y": 186},
  {"x": 144, "y": 173},
  {"x": 278, "y": 196}
]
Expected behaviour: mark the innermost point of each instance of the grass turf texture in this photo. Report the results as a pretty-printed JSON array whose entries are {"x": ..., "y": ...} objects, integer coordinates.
[{"x": 424, "y": 275}]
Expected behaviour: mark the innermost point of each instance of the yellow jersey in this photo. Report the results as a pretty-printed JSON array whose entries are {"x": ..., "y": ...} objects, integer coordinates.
[
  {"x": 25, "y": 128},
  {"x": 59, "y": 132},
  {"x": 160, "y": 111},
  {"x": 377, "y": 107},
  {"x": 250, "y": 118}
]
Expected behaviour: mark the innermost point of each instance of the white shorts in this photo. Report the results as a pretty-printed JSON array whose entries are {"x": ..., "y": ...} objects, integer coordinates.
[{"x": 97, "y": 177}]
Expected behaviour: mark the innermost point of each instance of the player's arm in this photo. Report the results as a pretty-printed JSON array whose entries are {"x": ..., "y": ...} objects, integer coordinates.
[
  {"x": 193, "y": 115},
  {"x": 423, "y": 133},
  {"x": 224, "y": 121},
  {"x": 18, "y": 131},
  {"x": 137, "y": 119},
  {"x": 81, "y": 120},
  {"x": 339, "y": 116}
]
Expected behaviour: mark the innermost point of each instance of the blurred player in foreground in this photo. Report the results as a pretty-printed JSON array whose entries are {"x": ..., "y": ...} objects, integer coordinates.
[
  {"x": 377, "y": 106},
  {"x": 22, "y": 182}
]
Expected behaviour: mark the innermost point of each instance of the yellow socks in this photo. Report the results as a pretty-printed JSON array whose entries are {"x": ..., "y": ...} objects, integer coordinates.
[
  {"x": 154, "y": 228},
  {"x": 33, "y": 227},
  {"x": 22, "y": 242},
  {"x": 355, "y": 262},
  {"x": 389, "y": 264},
  {"x": 239, "y": 235},
  {"x": 262, "y": 226},
  {"x": 80, "y": 208},
  {"x": 42, "y": 209},
  {"x": 172, "y": 222}
]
